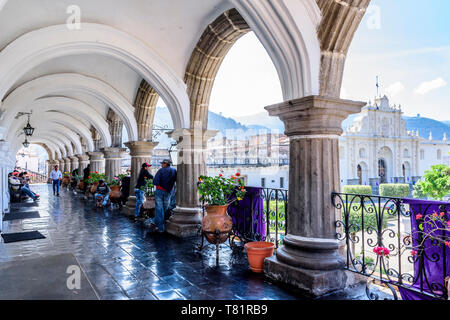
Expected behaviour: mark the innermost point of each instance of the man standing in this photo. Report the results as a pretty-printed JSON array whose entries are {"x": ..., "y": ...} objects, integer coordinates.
[
  {"x": 164, "y": 181},
  {"x": 144, "y": 176},
  {"x": 56, "y": 177}
]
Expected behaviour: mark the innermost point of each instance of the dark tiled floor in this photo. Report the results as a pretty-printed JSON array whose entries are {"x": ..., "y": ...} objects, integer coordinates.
[{"x": 122, "y": 261}]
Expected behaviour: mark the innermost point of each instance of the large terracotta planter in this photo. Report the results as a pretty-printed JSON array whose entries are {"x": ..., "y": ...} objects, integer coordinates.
[
  {"x": 66, "y": 181},
  {"x": 115, "y": 192},
  {"x": 149, "y": 203},
  {"x": 94, "y": 187},
  {"x": 257, "y": 252},
  {"x": 216, "y": 221}
]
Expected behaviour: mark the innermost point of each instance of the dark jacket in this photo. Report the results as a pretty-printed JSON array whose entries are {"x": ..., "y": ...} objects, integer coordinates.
[
  {"x": 165, "y": 178},
  {"x": 86, "y": 173},
  {"x": 104, "y": 190},
  {"x": 141, "y": 178}
]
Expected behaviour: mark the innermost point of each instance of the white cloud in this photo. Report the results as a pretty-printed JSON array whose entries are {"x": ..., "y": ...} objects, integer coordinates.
[
  {"x": 394, "y": 89},
  {"x": 428, "y": 86}
]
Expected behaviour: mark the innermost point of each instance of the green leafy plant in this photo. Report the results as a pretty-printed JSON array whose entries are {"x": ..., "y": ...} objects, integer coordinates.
[
  {"x": 217, "y": 191},
  {"x": 114, "y": 182},
  {"x": 357, "y": 189},
  {"x": 436, "y": 182},
  {"x": 395, "y": 190},
  {"x": 148, "y": 188},
  {"x": 96, "y": 177}
]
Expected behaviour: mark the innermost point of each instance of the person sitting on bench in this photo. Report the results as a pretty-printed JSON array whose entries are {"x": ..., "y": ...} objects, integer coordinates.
[
  {"x": 16, "y": 184},
  {"x": 103, "y": 190}
]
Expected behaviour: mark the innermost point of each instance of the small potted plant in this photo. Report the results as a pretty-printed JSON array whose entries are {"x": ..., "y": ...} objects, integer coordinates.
[
  {"x": 149, "y": 203},
  {"x": 66, "y": 179},
  {"x": 114, "y": 185},
  {"x": 218, "y": 193}
]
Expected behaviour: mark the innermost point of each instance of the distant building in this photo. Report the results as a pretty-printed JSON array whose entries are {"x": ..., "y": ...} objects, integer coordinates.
[{"x": 377, "y": 148}]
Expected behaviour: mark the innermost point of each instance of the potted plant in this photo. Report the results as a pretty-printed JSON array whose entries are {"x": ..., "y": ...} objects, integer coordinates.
[
  {"x": 114, "y": 184},
  {"x": 66, "y": 179},
  {"x": 217, "y": 194},
  {"x": 149, "y": 203}
]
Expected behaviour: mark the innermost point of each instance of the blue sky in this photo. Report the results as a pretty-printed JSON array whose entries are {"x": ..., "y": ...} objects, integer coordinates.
[{"x": 405, "y": 42}]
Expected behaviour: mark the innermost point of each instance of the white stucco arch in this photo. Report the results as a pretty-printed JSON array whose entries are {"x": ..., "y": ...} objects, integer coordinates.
[
  {"x": 56, "y": 153},
  {"x": 71, "y": 107},
  {"x": 48, "y": 138},
  {"x": 290, "y": 40},
  {"x": 52, "y": 121},
  {"x": 26, "y": 94},
  {"x": 39, "y": 46}
]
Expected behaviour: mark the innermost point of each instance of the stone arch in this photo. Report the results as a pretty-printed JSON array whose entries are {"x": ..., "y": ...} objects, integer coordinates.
[
  {"x": 206, "y": 59},
  {"x": 55, "y": 41},
  {"x": 145, "y": 108},
  {"x": 340, "y": 20},
  {"x": 23, "y": 96},
  {"x": 406, "y": 171},
  {"x": 46, "y": 148},
  {"x": 363, "y": 173},
  {"x": 385, "y": 164},
  {"x": 50, "y": 144}
]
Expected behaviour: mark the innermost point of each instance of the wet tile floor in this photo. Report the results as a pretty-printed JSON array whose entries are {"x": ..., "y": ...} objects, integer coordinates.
[{"x": 122, "y": 261}]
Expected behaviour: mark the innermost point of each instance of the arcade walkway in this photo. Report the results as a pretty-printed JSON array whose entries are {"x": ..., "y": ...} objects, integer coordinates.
[{"x": 122, "y": 261}]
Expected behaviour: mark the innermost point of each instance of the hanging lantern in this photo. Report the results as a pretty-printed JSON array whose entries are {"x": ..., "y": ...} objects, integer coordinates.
[
  {"x": 28, "y": 130},
  {"x": 26, "y": 144}
]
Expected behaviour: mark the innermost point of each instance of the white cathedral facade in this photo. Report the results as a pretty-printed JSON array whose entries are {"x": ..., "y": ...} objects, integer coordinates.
[{"x": 377, "y": 148}]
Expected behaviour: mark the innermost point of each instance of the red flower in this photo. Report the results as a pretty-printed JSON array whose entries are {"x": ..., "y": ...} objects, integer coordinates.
[
  {"x": 442, "y": 214},
  {"x": 419, "y": 216},
  {"x": 96, "y": 172},
  {"x": 89, "y": 177},
  {"x": 447, "y": 243},
  {"x": 435, "y": 214},
  {"x": 221, "y": 175},
  {"x": 238, "y": 174},
  {"x": 413, "y": 252}
]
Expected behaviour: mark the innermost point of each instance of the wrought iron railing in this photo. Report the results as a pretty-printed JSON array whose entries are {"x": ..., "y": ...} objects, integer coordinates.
[
  {"x": 261, "y": 216},
  {"x": 390, "y": 241}
]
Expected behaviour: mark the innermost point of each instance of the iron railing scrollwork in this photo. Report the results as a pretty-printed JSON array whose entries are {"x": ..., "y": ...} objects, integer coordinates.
[{"x": 371, "y": 224}]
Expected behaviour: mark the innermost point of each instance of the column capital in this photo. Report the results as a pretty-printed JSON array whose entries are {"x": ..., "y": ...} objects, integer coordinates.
[
  {"x": 95, "y": 156},
  {"x": 196, "y": 137},
  {"x": 314, "y": 115},
  {"x": 73, "y": 158},
  {"x": 113, "y": 153},
  {"x": 82, "y": 157},
  {"x": 142, "y": 149}
]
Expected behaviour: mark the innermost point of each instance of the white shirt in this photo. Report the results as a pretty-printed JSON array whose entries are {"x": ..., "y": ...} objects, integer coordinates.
[{"x": 55, "y": 175}]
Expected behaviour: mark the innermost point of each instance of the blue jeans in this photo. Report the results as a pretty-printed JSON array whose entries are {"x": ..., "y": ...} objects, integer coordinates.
[
  {"x": 56, "y": 186},
  {"x": 140, "y": 196},
  {"x": 28, "y": 192},
  {"x": 162, "y": 199},
  {"x": 105, "y": 198}
]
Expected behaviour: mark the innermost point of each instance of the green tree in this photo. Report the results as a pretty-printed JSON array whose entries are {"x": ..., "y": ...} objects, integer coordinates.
[{"x": 436, "y": 182}]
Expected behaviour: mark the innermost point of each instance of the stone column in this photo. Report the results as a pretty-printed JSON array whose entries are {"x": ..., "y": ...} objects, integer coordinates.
[
  {"x": 62, "y": 165},
  {"x": 140, "y": 152},
  {"x": 97, "y": 161},
  {"x": 83, "y": 161},
  {"x": 191, "y": 147},
  {"x": 309, "y": 259},
  {"x": 74, "y": 163},
  {"x": 113, "y": 161}
]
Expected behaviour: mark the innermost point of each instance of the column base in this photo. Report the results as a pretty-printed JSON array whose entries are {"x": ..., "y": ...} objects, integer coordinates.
[
  {"x": 312, "y": 265},
  {"x": 186, "y": 222},
  {"x": 314, "y": 283},
  {"x": 130, "y": 206}
]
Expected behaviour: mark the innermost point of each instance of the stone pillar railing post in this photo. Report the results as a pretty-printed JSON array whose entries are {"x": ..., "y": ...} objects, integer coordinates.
[
  {"x": 97, "y": 161},
  {"x": 191, "y": 164},
  {"x": 309, "y": 258},
  {"x": 140, "y": 152},
  {"x": 83, "y": 161},
  {"x": 113, "y": 161}
]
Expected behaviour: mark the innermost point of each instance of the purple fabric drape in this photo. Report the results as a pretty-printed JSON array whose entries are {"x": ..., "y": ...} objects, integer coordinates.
[
  {"x": 434, "y": 271},
  {"x": 248, "y": 215}
]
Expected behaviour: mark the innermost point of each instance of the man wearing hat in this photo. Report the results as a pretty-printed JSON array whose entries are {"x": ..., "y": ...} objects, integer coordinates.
[{"x": 164, "y": 181}]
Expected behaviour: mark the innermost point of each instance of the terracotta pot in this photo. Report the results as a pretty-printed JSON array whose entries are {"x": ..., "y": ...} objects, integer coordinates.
[
  {"x": 257, "y": 252},
  {"x": 115, "y": 192},
  {"x": 66, "y": 181},
  {"x": 149, "y": 203},
  {"x": 94, "y": 187},
  {"x": 81, "y": 185},
  {"x": 217, "y": 220}
]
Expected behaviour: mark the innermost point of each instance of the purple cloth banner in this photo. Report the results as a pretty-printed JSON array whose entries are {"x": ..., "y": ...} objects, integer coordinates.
[
  {"x": 426, "y": 272},
  {"x": 248, "y": 215}
]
